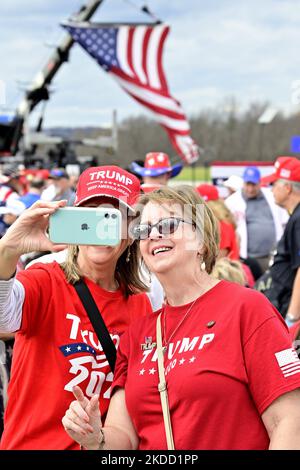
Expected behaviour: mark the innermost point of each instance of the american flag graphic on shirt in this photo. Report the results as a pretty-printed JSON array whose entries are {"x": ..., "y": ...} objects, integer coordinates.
[{"x": 288, "y": 362}]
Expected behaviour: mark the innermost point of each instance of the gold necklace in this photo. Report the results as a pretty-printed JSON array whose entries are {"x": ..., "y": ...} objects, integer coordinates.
[{"x": 167, "y": 341}]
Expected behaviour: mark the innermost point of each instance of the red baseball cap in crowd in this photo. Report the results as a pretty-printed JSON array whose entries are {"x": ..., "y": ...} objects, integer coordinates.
[
  {"x": 208, "y": 192},
  {"x": 110, "y": 181},
  {"x": 286, "y": 168},
  {"x": 42, "y": 174}
]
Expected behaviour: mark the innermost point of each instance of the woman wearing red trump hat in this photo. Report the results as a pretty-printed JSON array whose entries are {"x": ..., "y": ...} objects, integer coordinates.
[{"x": 56, "y": 346}]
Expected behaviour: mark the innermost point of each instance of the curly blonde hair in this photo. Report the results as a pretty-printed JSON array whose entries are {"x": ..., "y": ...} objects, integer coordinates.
[
  {"x": 230, "y": 270},
  {"x": 221, "y": 211}
]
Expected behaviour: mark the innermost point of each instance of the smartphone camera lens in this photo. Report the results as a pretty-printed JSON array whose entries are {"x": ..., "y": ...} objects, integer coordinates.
[
  {"x": 106, "y": 215},
  {"x": 114, "y": 216}
]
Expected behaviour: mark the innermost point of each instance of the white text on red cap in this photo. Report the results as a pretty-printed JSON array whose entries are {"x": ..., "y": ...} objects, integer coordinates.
[{"x": 96, "y": 175}]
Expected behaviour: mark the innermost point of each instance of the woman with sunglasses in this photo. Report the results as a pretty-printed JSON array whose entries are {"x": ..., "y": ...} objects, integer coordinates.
[{"x": 231, "y": 374}]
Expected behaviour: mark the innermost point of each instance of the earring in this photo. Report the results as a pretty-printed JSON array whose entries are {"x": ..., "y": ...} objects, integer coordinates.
[
  {"x": 128, "y": 255},
  {"x": 203, "y": 266},
  {"x": 150, "y": 277}
]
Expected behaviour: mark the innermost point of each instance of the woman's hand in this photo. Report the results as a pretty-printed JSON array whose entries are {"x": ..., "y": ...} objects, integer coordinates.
[
  {"x": 28, "y": 232},
  {"x": 82, "y": 420}
]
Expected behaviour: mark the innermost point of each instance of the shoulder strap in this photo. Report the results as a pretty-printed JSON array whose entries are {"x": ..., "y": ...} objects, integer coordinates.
[
  {"x": 97, "y": 321},
  {"x": 162, "y": 387}
]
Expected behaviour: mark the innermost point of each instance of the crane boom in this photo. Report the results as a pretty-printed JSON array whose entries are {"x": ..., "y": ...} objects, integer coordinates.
[{"x": 39, "y": 89}]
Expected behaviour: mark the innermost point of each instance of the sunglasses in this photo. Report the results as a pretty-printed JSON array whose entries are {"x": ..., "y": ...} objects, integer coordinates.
[{"x": 164, "y": 227}]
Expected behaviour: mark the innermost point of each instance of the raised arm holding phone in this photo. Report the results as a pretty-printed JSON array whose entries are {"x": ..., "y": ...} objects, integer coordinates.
[{"x": 56, "y": 347}]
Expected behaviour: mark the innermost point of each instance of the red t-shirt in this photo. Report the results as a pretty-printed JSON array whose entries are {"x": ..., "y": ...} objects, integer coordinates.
[
  {"x": 55, "y": 349},
  {"x": 228, "y": 240},
  {"x": 220, "y": 378}
]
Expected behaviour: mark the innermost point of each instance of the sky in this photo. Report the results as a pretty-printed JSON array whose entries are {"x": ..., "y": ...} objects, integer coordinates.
[{"x": 216, "y": 49}]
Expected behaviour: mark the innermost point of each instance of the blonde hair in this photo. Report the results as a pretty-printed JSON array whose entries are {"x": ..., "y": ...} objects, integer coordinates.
[
  {"x": 128, "y": 274},
  {"x": 205, "y": 222},
  {"x": 230, "y": 270},
  {"x": 221, "y": 211}
]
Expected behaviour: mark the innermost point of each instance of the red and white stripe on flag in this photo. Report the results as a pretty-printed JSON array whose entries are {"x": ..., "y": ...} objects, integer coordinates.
[
  {"x": 288, "y": 362},
  {"x": 132, "y": 55},
  {"x": 141, "y": 75}
]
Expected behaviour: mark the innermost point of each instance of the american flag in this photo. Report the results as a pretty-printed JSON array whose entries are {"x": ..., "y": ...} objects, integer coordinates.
[
  {"x": 132, "y": 55},
  {"x": 288, "y": 362}
]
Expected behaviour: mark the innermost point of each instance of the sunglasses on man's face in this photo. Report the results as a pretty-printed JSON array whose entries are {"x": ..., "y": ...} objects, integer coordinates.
[{"x": 164, "y": 227}]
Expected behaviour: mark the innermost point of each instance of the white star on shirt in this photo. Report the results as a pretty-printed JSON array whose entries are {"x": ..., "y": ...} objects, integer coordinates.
[
  {"x": 87, "y": 348},
  {"x": 78, "y": 348},
  {"x": 142, "y": 372},
  {"x": 181, "y": 361},
  {"x": 192, "y": 359},
  {"x": 67, "y": 349},
  {"x": 160, "y": 158},
  {"x": 151, "y": 371}
]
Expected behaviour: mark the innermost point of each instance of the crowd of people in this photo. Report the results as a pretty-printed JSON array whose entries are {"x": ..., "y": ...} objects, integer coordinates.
[{"x": 202, "y": 284}]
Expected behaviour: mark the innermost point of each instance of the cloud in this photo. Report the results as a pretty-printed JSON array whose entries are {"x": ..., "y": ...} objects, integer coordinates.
[{"x": 215, "y": 49}]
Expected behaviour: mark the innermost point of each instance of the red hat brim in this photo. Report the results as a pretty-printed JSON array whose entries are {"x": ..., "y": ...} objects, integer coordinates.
[{"x": 266, "y": 180}]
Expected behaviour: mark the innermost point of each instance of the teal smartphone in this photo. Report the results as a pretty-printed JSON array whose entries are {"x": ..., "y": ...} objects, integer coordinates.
[{"x": 86, "y": 226}]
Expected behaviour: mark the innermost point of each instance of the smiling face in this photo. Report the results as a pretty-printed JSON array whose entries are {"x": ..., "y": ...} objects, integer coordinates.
[{"x": 164, "y": 253}]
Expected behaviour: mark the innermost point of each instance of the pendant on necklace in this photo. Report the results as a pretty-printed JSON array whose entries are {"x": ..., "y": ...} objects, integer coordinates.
[
  {"x": 148, "y": 344},
  {"x": 164, "y": 349}
]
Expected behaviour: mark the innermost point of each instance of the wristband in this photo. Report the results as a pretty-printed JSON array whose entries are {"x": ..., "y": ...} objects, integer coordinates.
[{"x": 290, "y": 317}]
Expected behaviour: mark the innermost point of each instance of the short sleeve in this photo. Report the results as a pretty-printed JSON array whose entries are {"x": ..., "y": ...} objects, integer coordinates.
[
  {"x": 37, "y": 284},
  {"x": 272, "y": 365},
  {"x": 120, "y": 374}
]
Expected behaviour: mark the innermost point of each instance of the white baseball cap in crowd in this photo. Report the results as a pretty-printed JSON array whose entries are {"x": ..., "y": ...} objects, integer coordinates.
[
  {"x": 14, "y": 207},
  {"x": 234, "y": 182}
]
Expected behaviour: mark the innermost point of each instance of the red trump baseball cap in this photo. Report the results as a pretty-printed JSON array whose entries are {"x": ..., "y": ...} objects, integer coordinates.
[
  {"x": 286, "y": 168},
  {"x": 109, "y": 181},
  {"x": 208, "y": 192}
]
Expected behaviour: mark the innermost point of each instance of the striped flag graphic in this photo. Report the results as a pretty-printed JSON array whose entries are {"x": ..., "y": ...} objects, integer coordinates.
[{"x": 288, "y": 362}]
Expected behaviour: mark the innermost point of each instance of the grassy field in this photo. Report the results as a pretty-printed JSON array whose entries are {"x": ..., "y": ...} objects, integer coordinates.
[{"x": 191, "y": 174}]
